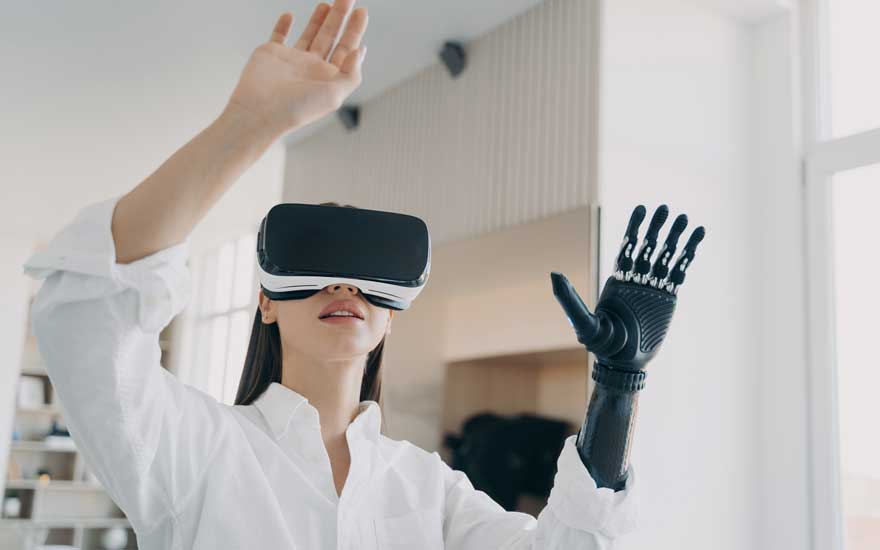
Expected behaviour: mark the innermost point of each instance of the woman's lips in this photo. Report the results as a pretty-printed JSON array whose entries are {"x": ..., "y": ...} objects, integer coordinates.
[{"x": 337, "y": 320}]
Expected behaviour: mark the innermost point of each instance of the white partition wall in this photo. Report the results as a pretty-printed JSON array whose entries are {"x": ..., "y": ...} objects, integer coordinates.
[{"x": 675, "y": 127}]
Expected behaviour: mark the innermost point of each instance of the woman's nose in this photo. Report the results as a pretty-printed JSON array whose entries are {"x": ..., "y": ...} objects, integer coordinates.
[{"x": 340, "y": 287}]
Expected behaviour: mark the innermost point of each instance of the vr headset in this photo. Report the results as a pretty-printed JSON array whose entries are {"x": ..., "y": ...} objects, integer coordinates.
[{"x": 302, "y": 248}]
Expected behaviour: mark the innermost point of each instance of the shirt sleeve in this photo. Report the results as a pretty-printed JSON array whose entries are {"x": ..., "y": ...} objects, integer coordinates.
[
  {"x": 147, "y": 437},
  {"x": 578, "y": 513}
]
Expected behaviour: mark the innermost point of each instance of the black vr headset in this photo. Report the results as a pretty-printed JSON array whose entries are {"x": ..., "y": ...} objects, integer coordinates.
[{"x": 302, "y": 248}]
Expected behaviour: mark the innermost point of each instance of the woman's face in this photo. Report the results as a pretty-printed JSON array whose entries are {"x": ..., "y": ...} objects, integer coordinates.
[{"x": 304, "y": 332}]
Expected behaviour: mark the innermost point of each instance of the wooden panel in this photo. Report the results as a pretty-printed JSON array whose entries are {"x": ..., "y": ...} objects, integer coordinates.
[
  {"x": 499, "y": 294},
  {"x": 489, "y": 308},
  {"x": 475, "y": 387},
  {"x": 563, "y": 389},
  {"x": 552, "y": 384}
]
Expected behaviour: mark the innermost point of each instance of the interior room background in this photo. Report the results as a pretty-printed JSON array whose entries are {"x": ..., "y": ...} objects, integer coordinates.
[{"x": 746, "y": 114}]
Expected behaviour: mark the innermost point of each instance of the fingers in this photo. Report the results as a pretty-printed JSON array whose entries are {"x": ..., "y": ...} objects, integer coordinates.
[
  {"x": 330, "y": 27},
  {"x": 351, "y": 66},
  {"x": 311, "y": 31},
  {"x": 643, "y": 258},
  {"x": 351, "y": 38},
  {"x": 660, "y": 276},
  {"x": 624, "y": 257},
  {"x": 585, "y": 324},
  {"x": 661, "y": 266},
  {"x": 282, "y": 27},
  {"x": 676, "y": 276}
]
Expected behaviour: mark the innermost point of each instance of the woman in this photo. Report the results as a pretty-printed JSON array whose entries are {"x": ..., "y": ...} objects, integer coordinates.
[{"x": 303, "y": 464}]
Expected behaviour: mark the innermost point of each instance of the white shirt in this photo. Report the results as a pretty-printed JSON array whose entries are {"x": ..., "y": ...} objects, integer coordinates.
[{"x": 192, "y": 473}]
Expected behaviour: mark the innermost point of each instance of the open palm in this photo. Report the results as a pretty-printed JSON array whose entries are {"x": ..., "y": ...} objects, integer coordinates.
[
  {"x": 288, "y": 87},
  {"x": 637, "y": 303}
]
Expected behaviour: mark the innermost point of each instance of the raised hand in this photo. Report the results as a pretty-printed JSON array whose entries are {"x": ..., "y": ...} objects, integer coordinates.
[
  {"x": 631, "y": 320},
  {"x": 285, "y": 88},
  {"x": 636, "y": 305}
]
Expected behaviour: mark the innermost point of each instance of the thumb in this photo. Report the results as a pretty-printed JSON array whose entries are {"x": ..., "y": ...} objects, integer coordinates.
[
  {"x": 351, "y": 65},
  {"x": 585, "y": 324}
]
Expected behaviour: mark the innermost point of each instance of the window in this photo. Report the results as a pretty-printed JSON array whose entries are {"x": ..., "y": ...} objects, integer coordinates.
[
  {"x": 218, "y": 320},
  {"x": 852, "y": 46},
  {"x": 842, "y": 191},
  {"x": 855, "y": 196}
]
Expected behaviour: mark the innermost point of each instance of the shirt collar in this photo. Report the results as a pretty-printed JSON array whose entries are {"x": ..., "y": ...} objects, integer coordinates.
[{"x": 279, "y": 404}]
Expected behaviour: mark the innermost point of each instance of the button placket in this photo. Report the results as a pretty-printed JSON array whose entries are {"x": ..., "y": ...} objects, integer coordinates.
[{"x": 303, "y": 443}]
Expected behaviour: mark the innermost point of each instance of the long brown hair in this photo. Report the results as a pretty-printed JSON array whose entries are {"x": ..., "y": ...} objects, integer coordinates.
[{"x": 262, "y": 364}]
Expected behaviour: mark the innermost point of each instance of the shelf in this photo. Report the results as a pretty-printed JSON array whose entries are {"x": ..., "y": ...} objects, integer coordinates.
[
  {"x": 65, "y": 523},
  {"x": 63, "y": 485},
  {"x": 34, "y": 370},
  {"x": 45, "y": 410},
  {"x": 71, "y": 508},
  {"x": 39, "y": 446}
]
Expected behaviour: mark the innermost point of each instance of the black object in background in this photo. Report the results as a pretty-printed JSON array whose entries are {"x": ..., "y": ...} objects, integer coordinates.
[
  {"x": 509, "y": 456},
  {"x": 454, "y": 57},
  {"x": 350, "y": 115}
]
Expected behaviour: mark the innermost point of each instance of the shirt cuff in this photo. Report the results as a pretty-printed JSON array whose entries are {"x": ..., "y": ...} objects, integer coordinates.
[
  {"x": 86, "y": 246},
  {"x": 580, "y": 504}
]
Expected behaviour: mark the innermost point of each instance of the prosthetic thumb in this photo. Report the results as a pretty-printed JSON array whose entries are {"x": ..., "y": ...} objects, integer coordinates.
[{"x": 593, "y": 331}]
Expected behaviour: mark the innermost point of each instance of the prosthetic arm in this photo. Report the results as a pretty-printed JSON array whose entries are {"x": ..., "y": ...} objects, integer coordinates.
[{"x": 632, "y": 316}]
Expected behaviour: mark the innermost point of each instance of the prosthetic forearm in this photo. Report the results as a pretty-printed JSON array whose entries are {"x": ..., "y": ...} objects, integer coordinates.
[
  {"x": 632, "y": 317},
  {"x": 604, "y": 438}
]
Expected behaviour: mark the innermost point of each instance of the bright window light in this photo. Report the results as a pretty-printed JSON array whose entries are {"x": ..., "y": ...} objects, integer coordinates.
[
  {"x": 853, "y": 41},
  {"x": 218, "y": 326},
  {"x": 855, "y": 196}
]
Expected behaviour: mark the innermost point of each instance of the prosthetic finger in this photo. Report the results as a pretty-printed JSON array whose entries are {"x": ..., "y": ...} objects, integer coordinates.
[
  {"x": 676, "y": 276},
  {"x": 661, "y": 266},
  {"x": 643, "y": 258},
  {"x": 624, "y": 257}
]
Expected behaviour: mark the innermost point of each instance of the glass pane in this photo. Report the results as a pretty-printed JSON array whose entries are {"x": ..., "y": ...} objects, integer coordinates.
[
  {"x": 202, "y": 356},
  {"x": 855, "y": 195},
  {"x": 205, "y": 282},
  {"x": 245, "y": 263},
  {"x": 239, "y": 334},
  {"x": 183, "y": 350},
  {"x": 854, "y": 83},
  {"x": 217, "y": 362},
  {"x": 223, "y": 278}
]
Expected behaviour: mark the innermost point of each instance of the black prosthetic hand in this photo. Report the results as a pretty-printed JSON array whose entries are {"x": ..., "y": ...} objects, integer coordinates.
[{"x": 631, "y": 320}]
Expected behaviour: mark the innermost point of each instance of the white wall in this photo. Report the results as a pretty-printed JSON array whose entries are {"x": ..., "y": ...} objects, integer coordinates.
[
  {"x": 675, "y": 128},
  {"x": 779, "y": 313},
  {"x": 243, "y": 206}
]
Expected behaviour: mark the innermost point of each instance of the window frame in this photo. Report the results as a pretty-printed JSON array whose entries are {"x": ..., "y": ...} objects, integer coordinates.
[
  {"x": 200, "y": 315},
  {"x": 824, "y": 157}
]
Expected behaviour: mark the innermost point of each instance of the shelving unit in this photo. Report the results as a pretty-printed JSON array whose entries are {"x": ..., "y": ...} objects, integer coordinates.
[{"x": 66, "y": 506}]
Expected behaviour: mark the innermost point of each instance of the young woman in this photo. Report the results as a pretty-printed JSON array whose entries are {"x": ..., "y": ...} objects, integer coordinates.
[{"x": 298, "y": 462}]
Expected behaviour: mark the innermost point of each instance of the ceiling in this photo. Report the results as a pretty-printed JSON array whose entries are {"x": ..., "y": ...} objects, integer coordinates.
[{"x": 97, "y": 94}]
